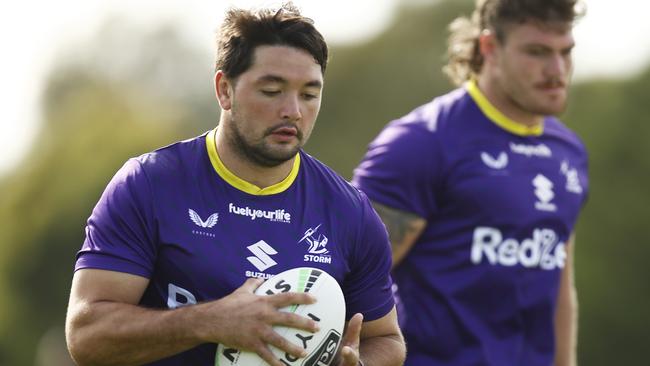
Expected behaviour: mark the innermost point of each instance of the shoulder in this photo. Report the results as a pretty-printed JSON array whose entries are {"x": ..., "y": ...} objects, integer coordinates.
[
  {"x": 419, "y": 138},
  {"x": 330, "y": 183},
  {"x": 169, "y": 168},
  {"x": 174, "y": 159},
  {"x": 427, "y": 122},
  {"x": 556, "y": 129}
]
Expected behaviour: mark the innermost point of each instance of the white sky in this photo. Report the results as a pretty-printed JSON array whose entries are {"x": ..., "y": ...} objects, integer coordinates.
[{"x": 612, "y": 40}]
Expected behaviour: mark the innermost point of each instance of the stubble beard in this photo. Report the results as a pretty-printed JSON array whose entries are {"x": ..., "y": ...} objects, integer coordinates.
[
  {"x": 259, "y": 152},
  {"x": 524, "y": 96},
  {"x": 530, "y": 103},
  {"x": 535, "y": 107}
]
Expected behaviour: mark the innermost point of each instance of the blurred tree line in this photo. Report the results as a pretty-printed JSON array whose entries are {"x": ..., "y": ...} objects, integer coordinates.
[{"x": 132, "y": 90}]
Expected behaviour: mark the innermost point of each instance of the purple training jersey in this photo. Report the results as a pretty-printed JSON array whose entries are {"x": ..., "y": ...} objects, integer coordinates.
[
  {"x": 178, "y": 217},
  {"x": 480, "y": 286}
]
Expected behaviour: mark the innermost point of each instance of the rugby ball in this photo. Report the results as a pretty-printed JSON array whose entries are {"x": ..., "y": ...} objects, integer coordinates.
[{"x": 328, "y": 311}]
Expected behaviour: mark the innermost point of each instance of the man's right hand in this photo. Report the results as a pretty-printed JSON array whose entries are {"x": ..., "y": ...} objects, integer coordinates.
[{"x": 245, "y": 321}]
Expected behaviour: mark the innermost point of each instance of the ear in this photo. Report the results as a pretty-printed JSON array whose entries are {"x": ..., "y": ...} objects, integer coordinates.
[
  {"x": 487, "y": 44},
  {"x": 224, "y": 90}
]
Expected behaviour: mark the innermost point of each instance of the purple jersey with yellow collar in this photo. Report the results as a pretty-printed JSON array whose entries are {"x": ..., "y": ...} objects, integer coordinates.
[
  {"x": 479, "y": 287},
  {"x": 178, "y": 217}
]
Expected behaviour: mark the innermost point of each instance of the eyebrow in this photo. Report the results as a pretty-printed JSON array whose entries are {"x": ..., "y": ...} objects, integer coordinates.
[
  {"x": 547, "y": 47},
  {"x": 570, "y": 47},
  {"x": 281, "y": 80}
]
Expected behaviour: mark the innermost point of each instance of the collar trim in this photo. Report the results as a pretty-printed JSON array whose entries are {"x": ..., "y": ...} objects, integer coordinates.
[
  {"x": 240, "y": 184},
  {"x": 500, "y": 119}
]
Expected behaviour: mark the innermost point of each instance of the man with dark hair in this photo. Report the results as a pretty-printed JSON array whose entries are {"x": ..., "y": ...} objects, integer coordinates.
[
  {"x": 182, "y": 236},
  {"x": 480, "y": 190}
]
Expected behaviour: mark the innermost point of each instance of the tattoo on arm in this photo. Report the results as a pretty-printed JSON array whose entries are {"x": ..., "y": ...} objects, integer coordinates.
[{"x": 400, "y": 224}]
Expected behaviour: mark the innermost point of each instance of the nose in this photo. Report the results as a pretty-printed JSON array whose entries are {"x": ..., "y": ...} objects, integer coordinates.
[
  {"x": 558, "y": 65},
  {"x": 291, "y": 108}
]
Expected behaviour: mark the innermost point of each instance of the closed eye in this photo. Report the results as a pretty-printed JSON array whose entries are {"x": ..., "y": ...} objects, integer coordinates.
[
  {"x": 537, "y": 51},
  {"x": 270, "y": 93},
  {"x": 567, "y": 51}
]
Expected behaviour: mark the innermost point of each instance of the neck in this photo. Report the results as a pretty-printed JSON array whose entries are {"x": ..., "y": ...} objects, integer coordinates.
[
  {"x": 499, "y": 99},
  {"x": 247, "y": 170}
]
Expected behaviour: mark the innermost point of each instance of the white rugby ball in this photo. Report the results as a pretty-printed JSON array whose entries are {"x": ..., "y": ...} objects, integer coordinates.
[{"x": 328, "y": 311}]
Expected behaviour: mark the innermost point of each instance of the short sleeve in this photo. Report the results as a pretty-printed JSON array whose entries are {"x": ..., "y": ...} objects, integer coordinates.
[
  {"x": 367, "y": 288},
  {"x": 401, "y": 168},
  {"x": 120, "y": 233}
]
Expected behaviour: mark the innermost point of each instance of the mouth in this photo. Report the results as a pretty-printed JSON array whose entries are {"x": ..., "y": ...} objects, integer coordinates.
[
  {"x": 285, "y": 131},
  {"x": 285, "y": 134},
  {"x": 551, "y": 85}
]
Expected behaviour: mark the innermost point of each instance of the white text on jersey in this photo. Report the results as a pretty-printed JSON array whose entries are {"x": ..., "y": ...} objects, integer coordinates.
[
  {"x": 540, "y": 150},
  {"x": 541, "y": 251},
  {"x": 278, "y": 215}
]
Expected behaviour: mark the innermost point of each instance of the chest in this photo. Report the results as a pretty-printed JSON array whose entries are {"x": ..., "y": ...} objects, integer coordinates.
[
  {"x": 217, "y": 239},
  {"x": 513, "y": 180}
]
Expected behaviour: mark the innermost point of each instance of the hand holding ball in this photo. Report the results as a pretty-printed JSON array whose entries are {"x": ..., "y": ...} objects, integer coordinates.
[{"x": 328, "y": 312}]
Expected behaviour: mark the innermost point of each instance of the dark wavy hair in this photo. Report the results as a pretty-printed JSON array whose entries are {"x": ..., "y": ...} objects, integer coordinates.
[
  {"x": 244, "y": 30},
  {"x": 464, "y": 58}
]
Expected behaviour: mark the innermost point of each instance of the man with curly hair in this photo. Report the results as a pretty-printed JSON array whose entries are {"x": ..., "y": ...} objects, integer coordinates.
[{"x": 480, "y": 190}]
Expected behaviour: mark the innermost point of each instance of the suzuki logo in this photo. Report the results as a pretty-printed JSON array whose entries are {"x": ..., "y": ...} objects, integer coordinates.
[
  {"x": 263, "y": 252},
  {"x": 544, "y": 192}
]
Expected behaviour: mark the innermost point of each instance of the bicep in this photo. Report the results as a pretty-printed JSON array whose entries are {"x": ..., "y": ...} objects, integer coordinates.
[
  {"x": 384, "y": 326},
  {"x": 404, "y": 228},
  {"x": 93, "y": 288},
  {"x": 94, "y": 285}
]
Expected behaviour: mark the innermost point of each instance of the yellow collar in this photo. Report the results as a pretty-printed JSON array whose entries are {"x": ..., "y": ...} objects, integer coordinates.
[
  {"x": 500, "y": 119},
  {"x": 242, "y": 185}
]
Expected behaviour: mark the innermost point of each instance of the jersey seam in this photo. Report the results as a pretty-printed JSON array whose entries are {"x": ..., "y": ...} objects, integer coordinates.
[{"x": 152, "y": 204}]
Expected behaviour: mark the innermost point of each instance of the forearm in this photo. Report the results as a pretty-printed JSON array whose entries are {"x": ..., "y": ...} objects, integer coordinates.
[
  {"x": 112, "y": 333},
  {"x": 566, "y": 329},
  {"x": 382, "y": 351},
  {"x": 566, "y": 313}
]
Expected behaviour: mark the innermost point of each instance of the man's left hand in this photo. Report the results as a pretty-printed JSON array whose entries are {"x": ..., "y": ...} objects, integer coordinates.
[{"x": 349, "y": 354}]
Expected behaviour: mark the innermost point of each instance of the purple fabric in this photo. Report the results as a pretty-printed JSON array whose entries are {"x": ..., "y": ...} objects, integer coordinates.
[
  {"x": 479, "y": 286},
  {"x": 142, "y": 225}
]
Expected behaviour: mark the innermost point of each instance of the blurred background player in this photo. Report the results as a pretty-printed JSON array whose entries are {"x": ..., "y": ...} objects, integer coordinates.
[
  {"x": 162, "y": 275},
  {"x": 480, "y": 190}
]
